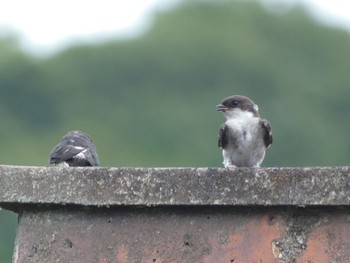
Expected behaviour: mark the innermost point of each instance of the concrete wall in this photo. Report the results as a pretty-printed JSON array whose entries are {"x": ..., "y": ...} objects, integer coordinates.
[{"x": 179, "y": 214}]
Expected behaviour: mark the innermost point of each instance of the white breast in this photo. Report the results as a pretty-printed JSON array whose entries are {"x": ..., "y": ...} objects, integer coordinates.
[{"x": 249, "y": 149}]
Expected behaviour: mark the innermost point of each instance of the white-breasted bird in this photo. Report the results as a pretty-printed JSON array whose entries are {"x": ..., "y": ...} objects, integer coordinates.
[{"x": 244, "y": 137}]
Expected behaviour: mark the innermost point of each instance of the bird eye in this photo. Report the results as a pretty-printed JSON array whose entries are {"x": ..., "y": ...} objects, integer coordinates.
[{"x": 234, "y": 103}]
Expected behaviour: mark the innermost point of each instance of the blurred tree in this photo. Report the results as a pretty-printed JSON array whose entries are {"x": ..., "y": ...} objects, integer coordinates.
[
  {"x": 23, "y": 94},
  {"x": 150, "y": 101}
]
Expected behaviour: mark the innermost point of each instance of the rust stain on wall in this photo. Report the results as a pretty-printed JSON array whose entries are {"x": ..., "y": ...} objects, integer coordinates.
[
  {"x": 102, "y": 260},
  {"x": 122, "y": 254},
  {"x": 185, "y": 235},
  {"x": 251, "y": 244},
  {"x": 329, "y": 242}
]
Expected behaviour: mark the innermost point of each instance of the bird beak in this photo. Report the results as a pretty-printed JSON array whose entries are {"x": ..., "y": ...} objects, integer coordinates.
[{"x": 221, "y": 107}]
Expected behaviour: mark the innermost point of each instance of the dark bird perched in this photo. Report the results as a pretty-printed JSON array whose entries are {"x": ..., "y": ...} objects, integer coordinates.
[
  {"x": 75, "y": 149},
  {"x": 244, "y": 137}
]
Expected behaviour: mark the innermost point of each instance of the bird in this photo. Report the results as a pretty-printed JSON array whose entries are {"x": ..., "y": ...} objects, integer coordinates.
[
  {"x": 244, "y": 136},
  {"x": 75, "y": 149}
]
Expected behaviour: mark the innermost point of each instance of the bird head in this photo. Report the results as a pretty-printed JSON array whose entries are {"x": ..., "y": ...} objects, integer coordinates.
[{"x": 236, "y": 105}]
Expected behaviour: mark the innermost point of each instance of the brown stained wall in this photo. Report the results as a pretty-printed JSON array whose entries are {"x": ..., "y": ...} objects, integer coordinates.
[{"x": 184, "y": 234}]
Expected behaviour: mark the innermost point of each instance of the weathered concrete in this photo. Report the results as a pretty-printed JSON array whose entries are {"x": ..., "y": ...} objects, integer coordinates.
[
  {"x": 121, "y": 215},
  {"x": 175, "y": 186}
]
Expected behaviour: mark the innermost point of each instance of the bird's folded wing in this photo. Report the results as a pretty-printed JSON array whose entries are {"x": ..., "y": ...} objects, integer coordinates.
[
  {"x": 267, "y": 132},
  {"x": 62, "y": 153},
  {"x": 223, "y": 136}
]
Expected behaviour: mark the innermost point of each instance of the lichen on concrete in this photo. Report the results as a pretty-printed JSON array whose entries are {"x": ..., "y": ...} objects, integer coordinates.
[{"x": 103, "y": 186}]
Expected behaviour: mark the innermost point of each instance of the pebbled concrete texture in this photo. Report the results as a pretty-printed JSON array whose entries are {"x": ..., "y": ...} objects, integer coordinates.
[
  {"x": 173, "y": 186},
  {"x": 120, "y": 215}
]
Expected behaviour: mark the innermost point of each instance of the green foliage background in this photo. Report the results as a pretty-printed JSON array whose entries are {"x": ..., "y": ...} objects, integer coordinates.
[{"x": 150, "y": 101}]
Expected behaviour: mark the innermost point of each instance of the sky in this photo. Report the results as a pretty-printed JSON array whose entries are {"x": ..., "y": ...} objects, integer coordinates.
[{"x": 45, "y": 27}]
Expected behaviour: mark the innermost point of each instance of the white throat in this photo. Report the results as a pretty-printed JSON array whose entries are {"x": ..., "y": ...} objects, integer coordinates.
[{"x": 238, "y": 114}]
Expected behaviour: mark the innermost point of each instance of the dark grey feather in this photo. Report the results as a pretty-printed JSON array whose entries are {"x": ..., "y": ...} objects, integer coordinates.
[
  {"x": 267, "y": 132},
  {"x": 76, "y": 149}
]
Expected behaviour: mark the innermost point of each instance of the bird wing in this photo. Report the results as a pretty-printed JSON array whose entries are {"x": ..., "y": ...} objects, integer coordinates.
[
  {"x": 90, "y": 153},
  {"x": 267, "y": 132},
  {"x": 223, "y": 136},
  {"x": 62, "y": 152},
  {"x": 91, "y": 156}
]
